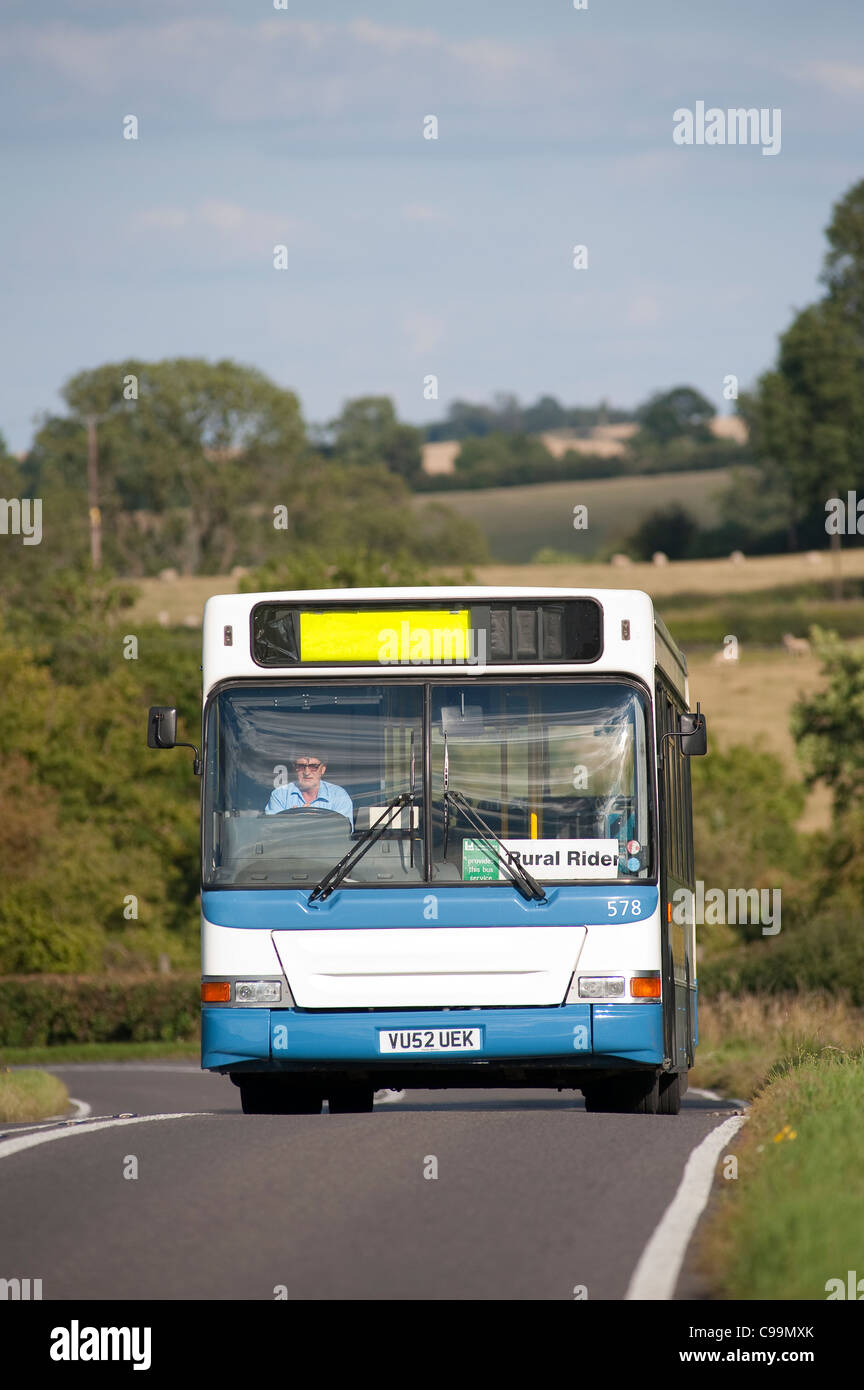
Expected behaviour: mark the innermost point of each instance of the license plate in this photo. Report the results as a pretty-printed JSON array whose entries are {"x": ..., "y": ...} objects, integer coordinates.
[{"x": 430, "y": 1040}]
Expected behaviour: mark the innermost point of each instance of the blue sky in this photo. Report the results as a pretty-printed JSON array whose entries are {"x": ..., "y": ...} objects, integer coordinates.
[{"x": 407, "y": 256}]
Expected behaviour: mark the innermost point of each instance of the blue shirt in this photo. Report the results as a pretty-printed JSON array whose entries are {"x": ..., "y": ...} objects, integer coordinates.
[{"x": 329, "y": 798}]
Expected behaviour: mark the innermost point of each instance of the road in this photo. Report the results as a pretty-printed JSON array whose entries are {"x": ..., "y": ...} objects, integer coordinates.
[{"x": 533, "y": 1196}]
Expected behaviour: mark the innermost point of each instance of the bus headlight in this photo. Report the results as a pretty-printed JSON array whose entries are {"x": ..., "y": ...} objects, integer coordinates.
[
  {"x": 258, "y": 992},
  {"x": 601, "y": 986}
]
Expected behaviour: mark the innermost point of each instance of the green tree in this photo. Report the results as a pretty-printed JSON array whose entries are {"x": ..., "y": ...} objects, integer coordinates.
[
  {"x": 806, "y": 416},
  {"x": 545, "y": 414},
  {"x": 668, "y": 415},
  {"x": 501, "y": 458},
  {"x": 362, "y": 521},
  {"x": 367, "y": 431},
  {"x": 829, "y": 725},
  {"x": 89, "y": 819},
  {"x": 671, "y": 530},
  {"x": 190, "y": 441},
  {"x": 843, "y": 270}
]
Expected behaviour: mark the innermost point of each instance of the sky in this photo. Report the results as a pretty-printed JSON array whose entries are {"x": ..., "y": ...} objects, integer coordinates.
[{"x": 408, "y": 257}]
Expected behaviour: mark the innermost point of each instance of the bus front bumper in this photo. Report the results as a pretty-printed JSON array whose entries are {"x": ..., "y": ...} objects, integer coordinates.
[{"x": 569, "y": 1035}]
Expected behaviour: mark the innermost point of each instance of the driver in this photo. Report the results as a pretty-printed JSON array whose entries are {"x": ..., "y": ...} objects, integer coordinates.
[{"x": 311, "y": 790}]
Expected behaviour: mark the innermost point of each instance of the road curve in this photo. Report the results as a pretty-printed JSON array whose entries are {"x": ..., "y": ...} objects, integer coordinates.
[{"x": 534, "y": 1197}]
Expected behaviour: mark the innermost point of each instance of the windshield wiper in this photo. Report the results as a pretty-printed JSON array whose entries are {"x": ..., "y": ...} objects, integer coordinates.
[
  {"x": 525, "y": 882},
  {"x": 334, "y": 876}
]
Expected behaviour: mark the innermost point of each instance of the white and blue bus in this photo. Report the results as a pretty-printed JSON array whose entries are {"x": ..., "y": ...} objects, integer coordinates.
[{"x": 442, "y": 833}]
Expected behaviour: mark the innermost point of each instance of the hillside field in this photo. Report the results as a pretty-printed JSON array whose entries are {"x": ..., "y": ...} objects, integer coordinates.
[{"x": 520, "y": 521}]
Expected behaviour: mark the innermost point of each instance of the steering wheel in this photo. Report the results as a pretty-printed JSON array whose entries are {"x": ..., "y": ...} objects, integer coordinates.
[{"x": 308, "y": 811}]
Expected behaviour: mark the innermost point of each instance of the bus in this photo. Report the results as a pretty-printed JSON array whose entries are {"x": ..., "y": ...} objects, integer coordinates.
[{"x": 442, "y": 832}]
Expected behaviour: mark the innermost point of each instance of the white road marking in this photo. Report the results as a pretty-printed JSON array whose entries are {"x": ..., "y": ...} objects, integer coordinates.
[
  {"x": 734, "y": 1102},
  {"x": 29, "y": 1141},
  {"x": 82, "y": 1112},
  {"x": 656, "y": 1274}
]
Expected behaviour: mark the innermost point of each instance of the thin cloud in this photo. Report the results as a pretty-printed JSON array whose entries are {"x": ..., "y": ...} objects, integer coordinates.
[
  {"x": 841, "y": 78},
  {"x": 219, "y": 227}
]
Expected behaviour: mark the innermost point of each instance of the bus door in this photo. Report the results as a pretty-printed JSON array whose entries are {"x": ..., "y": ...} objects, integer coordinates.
[{"x": 676, "y": 885}]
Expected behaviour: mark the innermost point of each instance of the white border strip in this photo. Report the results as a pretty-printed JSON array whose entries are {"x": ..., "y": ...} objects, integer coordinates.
[
  {"x": 29, "y": 1141},
  {"x": 656, "y": 1274}
]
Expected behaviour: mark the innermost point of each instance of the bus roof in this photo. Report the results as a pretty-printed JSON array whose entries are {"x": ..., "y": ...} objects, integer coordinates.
[{"x": 634, "y": 639}]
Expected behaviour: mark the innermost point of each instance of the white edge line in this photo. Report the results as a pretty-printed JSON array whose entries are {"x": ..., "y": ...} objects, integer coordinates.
[
  {"x": 656, "y": 1274},
  {"x": 29, "y": 1141},
  {"x": 82, "y": 1111}
]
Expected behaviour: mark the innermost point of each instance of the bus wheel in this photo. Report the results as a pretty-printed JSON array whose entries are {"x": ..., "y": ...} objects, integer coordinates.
[
  {"x": 267, "y": 1095},
  {"x": 670, "y": 1094},
  {"x": 624, "y": 1095},
  {"x": 351, "y": 1098}
]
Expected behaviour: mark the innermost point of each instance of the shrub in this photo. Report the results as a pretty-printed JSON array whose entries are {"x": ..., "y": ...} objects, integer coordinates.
[{"x": 38, "y": 1010}]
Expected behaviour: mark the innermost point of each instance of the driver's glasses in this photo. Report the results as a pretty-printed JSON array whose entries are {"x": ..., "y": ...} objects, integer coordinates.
[{"x": 307, "y": 767}]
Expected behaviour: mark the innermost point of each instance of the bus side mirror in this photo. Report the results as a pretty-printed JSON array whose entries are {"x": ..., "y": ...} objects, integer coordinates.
[
  {"x": 162, "y": 732},
  {"x": 162, "y": 727},
  {"x": 694, "y": 734}
]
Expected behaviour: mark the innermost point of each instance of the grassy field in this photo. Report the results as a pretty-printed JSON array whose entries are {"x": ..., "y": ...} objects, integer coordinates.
[
  {"x": 520, "y": 521},
  {"x": 751, "y": 703},
  {"x": 31, "y": 1095},
  {"x": 100, "y": 1052},
  {"x": 793, "y": 1218},
  {"x": 713, "y": 579},
  {"x": 743, "y": 1038},
  {"x": 181, "y": 600}
]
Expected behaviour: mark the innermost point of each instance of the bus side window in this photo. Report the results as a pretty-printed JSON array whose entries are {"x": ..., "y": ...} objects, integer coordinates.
[
  {"x": 678, "y": 801},
  {"x": 675, "y": 770},
  {"x": 670, "y": 790},
  {"x": 690, "y": 867}
]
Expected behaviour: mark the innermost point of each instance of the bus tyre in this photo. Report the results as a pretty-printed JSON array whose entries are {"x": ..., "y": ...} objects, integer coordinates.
[
  {"x": 670, "y": 1094},
  {"x": 268, "y": 1095},
  {"x": 351, "y": 1098},
  {"x": 624, "y": 1095}
]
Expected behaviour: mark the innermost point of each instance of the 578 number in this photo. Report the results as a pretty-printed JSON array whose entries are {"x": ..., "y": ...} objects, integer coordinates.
[{"x": 624, "y": 907}]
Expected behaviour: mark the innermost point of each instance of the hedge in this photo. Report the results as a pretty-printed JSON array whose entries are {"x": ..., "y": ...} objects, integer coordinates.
[
  {"x": 825, "y": 955},
  {"x": 38, "y": 1010}
]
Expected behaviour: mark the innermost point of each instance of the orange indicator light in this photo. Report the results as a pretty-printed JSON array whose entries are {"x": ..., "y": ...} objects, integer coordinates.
[
  {"x": 642, "y": 988},
  {"x": 215, "y": 991}
]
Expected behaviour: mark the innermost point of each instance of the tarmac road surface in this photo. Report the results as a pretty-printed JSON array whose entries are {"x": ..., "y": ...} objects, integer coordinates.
[{"x": 533, "y": 1198}]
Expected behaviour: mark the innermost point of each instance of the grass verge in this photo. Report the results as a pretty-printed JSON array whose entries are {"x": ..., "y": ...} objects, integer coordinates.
[
  {"x": 31, "y": 1095},
  {"x": 100, "y": 1052},
  {"x": 742, "y": 1038},
  {"x": 793, "y": 1219}
]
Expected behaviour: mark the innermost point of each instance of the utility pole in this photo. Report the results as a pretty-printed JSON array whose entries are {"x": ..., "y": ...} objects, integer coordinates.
[{"x": 93, "y": 493}]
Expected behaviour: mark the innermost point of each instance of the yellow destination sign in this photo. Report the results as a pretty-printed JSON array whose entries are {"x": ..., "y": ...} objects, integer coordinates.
[{"x": 387, "y": 638}]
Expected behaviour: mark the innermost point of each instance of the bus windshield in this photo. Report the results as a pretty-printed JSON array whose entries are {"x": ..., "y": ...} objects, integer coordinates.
[{"x": 556, "y": 770}]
